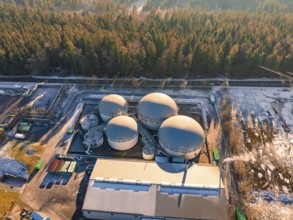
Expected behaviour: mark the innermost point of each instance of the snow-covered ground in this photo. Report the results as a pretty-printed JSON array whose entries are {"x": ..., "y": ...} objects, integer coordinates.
[
  {"x": 13, "y": 167},
  {"x": 268, "y": 153},
  {"x": 271, "y": 210},
  {"x": 287, "y": 112},
  {"x": 73, "y": 120}
]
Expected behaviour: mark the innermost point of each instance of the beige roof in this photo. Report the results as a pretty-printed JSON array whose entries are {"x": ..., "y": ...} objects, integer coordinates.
[
  {"x": 157, "y": 106},
  {"x": 122, "y": 128},
  {"x": 156, "y": 173},
  {"x": 150, "y": 200},
  {"x": 181, "y": 134},
  {"x": 113, "y": 104}
]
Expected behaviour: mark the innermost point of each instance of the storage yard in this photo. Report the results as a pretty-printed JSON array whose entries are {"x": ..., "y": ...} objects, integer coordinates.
[
  {"x": 41, "y": 98},
  {"x": 181, "y": 127}
]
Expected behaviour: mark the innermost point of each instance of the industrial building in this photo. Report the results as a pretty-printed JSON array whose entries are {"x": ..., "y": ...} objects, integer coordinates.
[
  {"x": 154, "y": 108},
  {"x": 168, "y": 182},
  {"x": 133, "y": 189},
  {"x": 111, "y": 106},
  {"x": 122, "y": 133}
]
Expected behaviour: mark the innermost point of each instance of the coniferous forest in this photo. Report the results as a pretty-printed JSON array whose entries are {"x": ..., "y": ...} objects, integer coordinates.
[{"x": 167, "y": 38}]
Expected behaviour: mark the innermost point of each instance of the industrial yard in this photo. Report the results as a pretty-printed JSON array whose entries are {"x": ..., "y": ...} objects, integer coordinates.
[{"x": 191, "y": 129}]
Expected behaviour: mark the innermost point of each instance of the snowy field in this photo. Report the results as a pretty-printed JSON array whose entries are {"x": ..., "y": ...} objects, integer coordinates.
[
  {"x": 13, "y": 167},
  {"x": 263, "y": 114}
]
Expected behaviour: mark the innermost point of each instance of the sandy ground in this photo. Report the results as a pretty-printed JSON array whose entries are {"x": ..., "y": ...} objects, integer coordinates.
[{"x": 58, "y": 202}]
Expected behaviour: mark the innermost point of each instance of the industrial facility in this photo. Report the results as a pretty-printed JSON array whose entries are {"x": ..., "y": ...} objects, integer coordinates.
[
  {"x": 141, "y": 154},
  {"x": 111, "y": 106},
  {"x": 122, "y": 133},
  {"x": 93, "y": 138},
  {"x": 154, "y": 108},
  {"x": 89, "y": 121},
  {"x": 132, "y": 189},
  {"x": 152, "y": 128},
  {"x": 93, "y": 132},
  {"x": 167, "y": 177}
]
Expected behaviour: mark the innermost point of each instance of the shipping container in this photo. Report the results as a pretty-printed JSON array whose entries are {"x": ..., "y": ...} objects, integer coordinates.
[
  {"x": 23, "y": 123},
  {"x": 65, "y": 167},
  {"x": 59, "y": 166},
  {"x": 72, "y": 167},
  {"x": 25, "y": 128},
  {"x": 53, "y": 165}
]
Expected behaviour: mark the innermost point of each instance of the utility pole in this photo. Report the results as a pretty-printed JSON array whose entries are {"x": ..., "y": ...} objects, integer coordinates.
[
  {"x": 290, "y": 78},
  {"x": 278, "y": 73}
]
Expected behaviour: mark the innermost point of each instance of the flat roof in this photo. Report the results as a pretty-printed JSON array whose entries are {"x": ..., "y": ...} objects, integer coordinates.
[
  {"x": 147, "y": 188},
  {"x": 151, "y": 172}
]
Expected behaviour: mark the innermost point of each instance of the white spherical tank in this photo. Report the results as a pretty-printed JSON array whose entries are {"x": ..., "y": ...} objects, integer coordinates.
[
  {"x": 181, "y": 136},
  {"x": 154, "y": 108},
  {"x": 122, "y": 133},
  {"x": 111, "y": 106},
  {"x": 89, "y": 121}
]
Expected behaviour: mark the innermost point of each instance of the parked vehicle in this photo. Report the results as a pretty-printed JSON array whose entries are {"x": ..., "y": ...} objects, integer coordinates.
[
  {"x": 70, "y": 130},
  {"x": 212, "y": 100},
  {"x": 19, "y": 136}
]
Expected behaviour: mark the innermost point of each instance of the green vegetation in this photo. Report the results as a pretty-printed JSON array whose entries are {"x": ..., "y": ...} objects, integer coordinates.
[
  {"x": 252, "y": 5},
  {"x": 49, "y": 38},
  {"x": 114, "y": 5}
]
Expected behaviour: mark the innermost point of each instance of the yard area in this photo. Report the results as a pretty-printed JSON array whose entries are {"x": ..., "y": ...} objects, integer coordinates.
[
  {"x": 26, "y": 152},
  {"x": 8, "y": 198}
]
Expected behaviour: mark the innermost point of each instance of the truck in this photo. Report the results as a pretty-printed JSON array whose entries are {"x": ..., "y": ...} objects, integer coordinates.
[
  {"x": 38, "y": 165},
  {"x": 239, "y": 214},
  {"x": 216, "y": 155},
  {"x": 70, "y": 130}
]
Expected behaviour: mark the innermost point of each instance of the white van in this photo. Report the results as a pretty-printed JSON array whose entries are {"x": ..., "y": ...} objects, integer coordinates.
[{"x": 19, "y": 136}]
